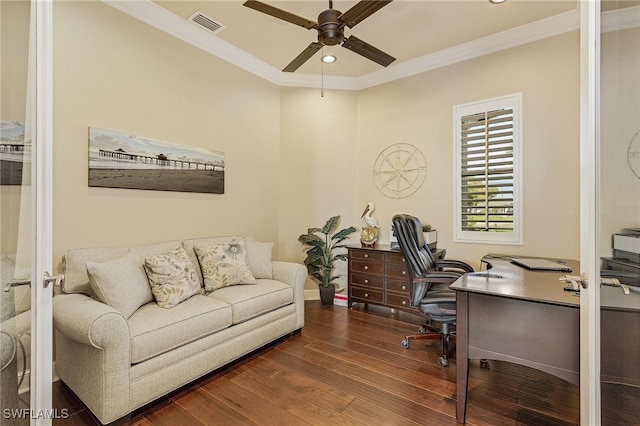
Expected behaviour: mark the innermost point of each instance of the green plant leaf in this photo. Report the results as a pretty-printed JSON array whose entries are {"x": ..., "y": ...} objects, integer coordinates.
[
  {"x": 343, "y": 234},
  {"x": 331, "y": 225}
]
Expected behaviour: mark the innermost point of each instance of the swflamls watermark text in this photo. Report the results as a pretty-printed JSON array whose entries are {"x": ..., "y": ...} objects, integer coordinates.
[{"x": 29, "y": 413}]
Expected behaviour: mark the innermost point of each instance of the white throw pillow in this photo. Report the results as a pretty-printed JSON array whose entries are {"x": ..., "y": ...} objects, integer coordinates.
[
  {"x": 172, "y": 277},
  {"x": 259, "y": 257},
  {"x": 120, "y": 283},
  {"x": 224, "y": 265}
]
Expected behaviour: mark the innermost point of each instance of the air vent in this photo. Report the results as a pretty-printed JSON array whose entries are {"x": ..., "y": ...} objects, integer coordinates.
[{"x": 207, "y": 23}]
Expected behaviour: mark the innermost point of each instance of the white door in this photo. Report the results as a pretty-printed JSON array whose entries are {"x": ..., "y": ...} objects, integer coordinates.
[
  {"x": 25, "y": 213},
  {"x": 610, "y": 213}
]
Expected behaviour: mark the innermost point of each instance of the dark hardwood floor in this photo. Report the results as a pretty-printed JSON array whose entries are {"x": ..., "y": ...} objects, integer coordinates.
[{"x": 347, "y": 368}]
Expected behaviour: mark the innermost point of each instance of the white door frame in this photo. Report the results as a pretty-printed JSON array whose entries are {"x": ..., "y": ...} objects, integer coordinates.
[
  {"x": 590, "y": 409},
  {"x": 41, "y": 377}
]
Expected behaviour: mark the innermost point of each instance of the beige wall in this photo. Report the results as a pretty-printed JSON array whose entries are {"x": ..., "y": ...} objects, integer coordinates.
[
  {"x": 319, "y": 163},
  {"x": 294, "y": 158},
  {"x": 419, "y": 111},
  {"x": 620, "y": 121},
  {"x": 114, "y": 72},
  {"x": 14, "y": 50}
]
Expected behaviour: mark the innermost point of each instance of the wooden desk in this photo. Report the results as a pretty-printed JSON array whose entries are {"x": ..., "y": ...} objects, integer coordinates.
[{"x": 509, "y": 313}]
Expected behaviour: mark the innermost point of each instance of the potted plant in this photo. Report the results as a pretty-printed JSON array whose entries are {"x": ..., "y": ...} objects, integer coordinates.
[{"x": 321, "y": 255}]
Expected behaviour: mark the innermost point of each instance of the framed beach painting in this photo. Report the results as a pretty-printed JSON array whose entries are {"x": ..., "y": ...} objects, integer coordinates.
[
  {"x": 12, "y": 152},
  {"x": 120, "y": 160}
]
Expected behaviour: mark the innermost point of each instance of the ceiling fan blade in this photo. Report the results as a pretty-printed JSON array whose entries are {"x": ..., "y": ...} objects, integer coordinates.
[
  {"x": 361, "y": 11},
  {"x": 280, "y": 14},
  {"x": 303, "y": 57},
  {"x": 363, "y": 48}
]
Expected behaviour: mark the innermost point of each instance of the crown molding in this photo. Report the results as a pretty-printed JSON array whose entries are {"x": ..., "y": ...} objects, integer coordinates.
[
  {"x": 615, "y": 20},
  {"x": 150, "y": 13}
]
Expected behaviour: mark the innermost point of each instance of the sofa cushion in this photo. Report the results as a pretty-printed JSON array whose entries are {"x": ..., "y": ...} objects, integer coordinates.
[
  {"x": 224, "y": 265},
  {"x": 189, "y": 244},
  {"x": 172, "y": 277},
  {"x": 155, "y": 330},
  {"x": 251, "y": 301},
  {"x": 259, "y": 258},
  {"x": 120, "y": 283},
  {"x": 76, "y": 278}
]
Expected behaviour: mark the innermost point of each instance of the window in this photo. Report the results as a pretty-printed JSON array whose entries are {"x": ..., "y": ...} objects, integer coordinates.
[{"x": 488, "y": 188}]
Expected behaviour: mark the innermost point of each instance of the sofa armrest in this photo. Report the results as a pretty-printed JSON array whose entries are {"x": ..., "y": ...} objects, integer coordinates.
[
  {"x": 295, "y": 275},
  {"x": 89, "y": 322},
  {"x": 93, "y": 354}
]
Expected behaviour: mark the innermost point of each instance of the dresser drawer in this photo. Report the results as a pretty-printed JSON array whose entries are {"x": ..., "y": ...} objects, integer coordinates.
[
  {"x": 395, "y": 257},
  {"x": 397, "y": 270},
  {"x": 367, "y": 280},
  {"x": 399, "y": 286},
  {"x": 366, "y": 255},
  {"x": 367, "y": 266},
  {"x": 398, "y": 301},
  {"x": 366, "y": 295}
]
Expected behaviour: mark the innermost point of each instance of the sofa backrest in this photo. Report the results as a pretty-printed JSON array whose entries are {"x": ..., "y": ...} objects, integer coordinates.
[{"x": 76, "y": 279}]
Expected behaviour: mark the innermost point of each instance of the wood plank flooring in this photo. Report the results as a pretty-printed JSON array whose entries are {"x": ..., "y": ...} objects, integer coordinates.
[{"x": 347, "y": 367}]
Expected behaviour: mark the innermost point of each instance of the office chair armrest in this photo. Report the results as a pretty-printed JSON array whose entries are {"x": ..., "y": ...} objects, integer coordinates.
[
  {"x": 454, "y": 264},
  {"x": 444, "y": 277}
]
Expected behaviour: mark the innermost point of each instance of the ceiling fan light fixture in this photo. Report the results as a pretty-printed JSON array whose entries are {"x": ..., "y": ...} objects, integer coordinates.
[{"x": 329, "y": 58}]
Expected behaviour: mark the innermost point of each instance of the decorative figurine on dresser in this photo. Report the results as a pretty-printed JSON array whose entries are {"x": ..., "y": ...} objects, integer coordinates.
[{"x": 370, "y": 230}]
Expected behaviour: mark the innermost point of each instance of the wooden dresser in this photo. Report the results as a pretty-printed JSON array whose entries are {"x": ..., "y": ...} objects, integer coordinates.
[{"x": 379, "y": 276}]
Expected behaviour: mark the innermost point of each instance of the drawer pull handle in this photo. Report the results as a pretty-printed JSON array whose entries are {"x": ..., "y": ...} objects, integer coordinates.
[
  {"x": 366, "y": 281},
  {"x": 366, "y": 255},
  {"x": 366, "y": 267},
  {"x": 403, "y": 260},
  {"x": 404, "y": 302},
  {"x": 404, "y": 272},
  {"x": 366, "y": 295},
  {"x": 404, "y": 287}
]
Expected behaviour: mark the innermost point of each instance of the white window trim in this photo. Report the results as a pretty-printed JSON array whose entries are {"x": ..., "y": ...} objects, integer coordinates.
[{"x": 513, "y": 101}]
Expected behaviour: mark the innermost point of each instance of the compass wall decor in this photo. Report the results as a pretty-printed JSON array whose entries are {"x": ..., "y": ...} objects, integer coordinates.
[
  {"x": 399, "y": 170},
  {"x": 633, "y": 154}
]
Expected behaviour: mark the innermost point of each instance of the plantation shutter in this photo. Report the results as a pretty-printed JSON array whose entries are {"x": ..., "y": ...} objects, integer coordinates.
[{"x": 486, "y": 167}]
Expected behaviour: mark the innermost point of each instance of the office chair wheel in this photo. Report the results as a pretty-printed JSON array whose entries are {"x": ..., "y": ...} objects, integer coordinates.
[
  {"x": 443, "y": 361},
  {"x": 405, "y": 343}
]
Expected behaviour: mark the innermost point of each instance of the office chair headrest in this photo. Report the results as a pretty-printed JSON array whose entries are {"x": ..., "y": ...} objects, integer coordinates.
[{"x": 408, "y": 230}]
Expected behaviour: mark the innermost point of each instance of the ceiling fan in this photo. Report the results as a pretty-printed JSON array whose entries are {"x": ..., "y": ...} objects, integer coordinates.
[{"x": 330, "y": 27}]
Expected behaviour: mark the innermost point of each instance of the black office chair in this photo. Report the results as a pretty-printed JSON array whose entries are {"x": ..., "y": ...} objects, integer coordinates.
[{"x": 429, "y": 283}]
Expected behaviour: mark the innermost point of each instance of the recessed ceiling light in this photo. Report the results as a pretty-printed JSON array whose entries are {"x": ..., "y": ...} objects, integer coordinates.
[
  {"x": 496, "y": 1},
  {"x": 328, "y": 59}
]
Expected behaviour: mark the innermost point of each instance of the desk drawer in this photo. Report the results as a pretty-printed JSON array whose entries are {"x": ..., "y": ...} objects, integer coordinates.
[
  {"x": 397, "y": 270},
  {"x": 367, "y": 280},
  {"x": 366, "y": 295},
  {"x": 395, "y": 257},
  {"x": 398, "y": 300},
  {"x": 398, "y": 286},
  {"x": 366, "y": 255},
  {"x": 367, "y": 266}
]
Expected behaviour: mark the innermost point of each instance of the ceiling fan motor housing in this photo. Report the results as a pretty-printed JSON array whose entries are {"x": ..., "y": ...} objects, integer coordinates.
[{"x": 331, "y": 31}]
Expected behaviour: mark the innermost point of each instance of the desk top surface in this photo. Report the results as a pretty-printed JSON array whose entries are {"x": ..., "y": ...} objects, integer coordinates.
[{"x": 505, "y": 279}]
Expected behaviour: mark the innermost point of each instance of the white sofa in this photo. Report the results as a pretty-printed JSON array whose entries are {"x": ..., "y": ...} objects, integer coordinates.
[{"x": 116, "y": 361}]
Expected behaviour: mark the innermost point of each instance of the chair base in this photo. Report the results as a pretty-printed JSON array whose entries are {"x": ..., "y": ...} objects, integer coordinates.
[{"x": 429, "y": 332}]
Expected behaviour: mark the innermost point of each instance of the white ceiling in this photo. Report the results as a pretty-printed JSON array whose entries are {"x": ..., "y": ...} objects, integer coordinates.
[{"x": 420, "y": 34}]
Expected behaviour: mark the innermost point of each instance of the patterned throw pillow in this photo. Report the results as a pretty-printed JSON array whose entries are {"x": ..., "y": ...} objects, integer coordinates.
[
  {"x": 224, "y": 265},
  {"x": 172, "y": 277}
]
